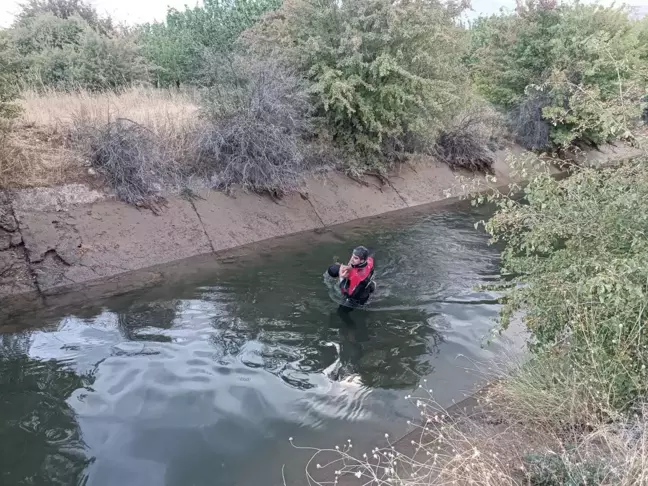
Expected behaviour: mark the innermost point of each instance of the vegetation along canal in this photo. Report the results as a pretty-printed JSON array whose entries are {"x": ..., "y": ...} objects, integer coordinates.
[{"x": 203, "y": 383}]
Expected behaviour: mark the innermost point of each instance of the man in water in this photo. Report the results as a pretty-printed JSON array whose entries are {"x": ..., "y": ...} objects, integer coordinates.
[{"x": 356, "y": 278}]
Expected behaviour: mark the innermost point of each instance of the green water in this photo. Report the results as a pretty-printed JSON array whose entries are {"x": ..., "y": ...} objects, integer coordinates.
[{"x": 203, "y": 383}]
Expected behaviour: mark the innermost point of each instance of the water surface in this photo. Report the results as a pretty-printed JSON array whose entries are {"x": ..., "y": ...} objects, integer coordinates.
[{"x": 202, "y": 383}]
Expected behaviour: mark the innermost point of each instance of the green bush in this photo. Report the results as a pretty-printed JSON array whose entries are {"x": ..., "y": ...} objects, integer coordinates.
[
  {"x": 178, "y": 47},
  {"x": 8, "y": 83},
  {"x": 65, "y": 9},
  {"x": 382, "y": 73},
  {"x": 576, "y": 251},
  {"x": 172, "y": 54},
  {"x": 217, "y": 24},
  {"x": 69, "y": 54},
  {"x": 557, "y": 470},
  {"x": 580, "y": 66}
]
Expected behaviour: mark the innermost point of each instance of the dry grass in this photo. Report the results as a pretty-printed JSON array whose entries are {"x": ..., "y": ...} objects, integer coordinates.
[
  {"x": 159, "y": 110},
  {"x": 145, "y": 142},
  {"x": 31, "y": 157},
  {"x": 39, "y": 150}
]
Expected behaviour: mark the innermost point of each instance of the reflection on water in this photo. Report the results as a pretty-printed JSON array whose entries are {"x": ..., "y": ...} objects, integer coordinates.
[{"x": 193, "y": 384}]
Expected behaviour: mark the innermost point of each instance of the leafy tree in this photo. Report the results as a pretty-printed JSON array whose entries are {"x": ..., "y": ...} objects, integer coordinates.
[
  {"x": 46, "y": 32},
  {"x": 65, "y": 9},
  {"x": 108, "y": 63},
  {"x": 382, "y": 71},
  {"x": 172, "y": 53},
  {"x": 177, "y": 49},
  {"x": 574, "y": 70},
  {"x": 69, "y": 54},
  {"x": 218, "y": 24}
]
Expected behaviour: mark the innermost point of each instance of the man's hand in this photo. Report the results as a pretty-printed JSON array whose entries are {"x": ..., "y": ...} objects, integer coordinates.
[{"x": 344, "y": 271}]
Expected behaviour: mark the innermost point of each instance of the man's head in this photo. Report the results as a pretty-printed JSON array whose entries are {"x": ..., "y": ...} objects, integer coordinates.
[{"x": 359, "y": 256}]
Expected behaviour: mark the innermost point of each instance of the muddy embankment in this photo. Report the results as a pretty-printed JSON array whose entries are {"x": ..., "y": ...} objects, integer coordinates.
[{"x": 73, "y": 239}]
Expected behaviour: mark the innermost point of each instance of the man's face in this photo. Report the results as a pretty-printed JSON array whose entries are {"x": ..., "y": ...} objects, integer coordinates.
[{"x": 356, "y": 260}]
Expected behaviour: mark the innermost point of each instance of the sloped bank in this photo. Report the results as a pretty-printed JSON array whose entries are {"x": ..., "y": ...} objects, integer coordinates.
[{"x": 58, "y": 240}]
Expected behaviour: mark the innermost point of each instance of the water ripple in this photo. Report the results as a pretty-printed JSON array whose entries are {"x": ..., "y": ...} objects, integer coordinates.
[{"x": 186, "y": 383}]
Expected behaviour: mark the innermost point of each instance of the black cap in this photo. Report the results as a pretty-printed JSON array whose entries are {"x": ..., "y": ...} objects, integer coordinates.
[{"x": 361, "y": 252}]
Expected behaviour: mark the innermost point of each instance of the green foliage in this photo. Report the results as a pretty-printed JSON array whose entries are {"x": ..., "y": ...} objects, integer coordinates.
[
  {"x": 551, "y": 469},
  {"x": 381, "y": 72},
  {"x": 577, "y": 253},
  {"x": 172, "y": 54},
  {"x": 69, "y": 54},
  {"x": 217, "y": 24},
  {"x": 587, "y": 61},
  {"x": 8, "y": 83},
  {"x": 65, "y": 9},
  {"x": 177, "y": 48}
]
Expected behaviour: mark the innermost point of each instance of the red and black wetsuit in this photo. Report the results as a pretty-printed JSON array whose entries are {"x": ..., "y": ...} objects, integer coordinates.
[{"x": 357, "y": 286}]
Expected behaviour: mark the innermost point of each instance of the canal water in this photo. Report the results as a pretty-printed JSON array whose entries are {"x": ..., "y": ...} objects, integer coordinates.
[{"x": 203, "y": 382}]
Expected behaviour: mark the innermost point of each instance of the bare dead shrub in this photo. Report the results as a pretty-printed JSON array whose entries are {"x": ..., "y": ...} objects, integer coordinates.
[
  {"x": 132, "y": 159},
  {"x": 527, "y": 122},
  {"x": 468, "y": 142},
  {"x": 257, "y": 117},
  {"x": 47, "y": 147}
]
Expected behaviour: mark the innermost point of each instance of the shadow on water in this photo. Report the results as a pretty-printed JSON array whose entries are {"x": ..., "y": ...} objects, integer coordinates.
[{"x": 187, "y": 383}]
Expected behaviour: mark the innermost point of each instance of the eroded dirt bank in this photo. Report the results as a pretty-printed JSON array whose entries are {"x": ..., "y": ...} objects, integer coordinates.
[{"x": 57, "y": 240}]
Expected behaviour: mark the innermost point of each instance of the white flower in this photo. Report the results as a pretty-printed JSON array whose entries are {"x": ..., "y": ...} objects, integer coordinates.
[{"x": 358, "y": 474}]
